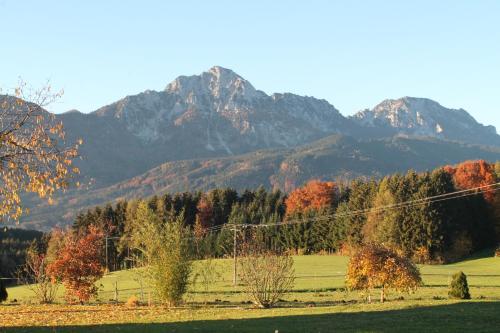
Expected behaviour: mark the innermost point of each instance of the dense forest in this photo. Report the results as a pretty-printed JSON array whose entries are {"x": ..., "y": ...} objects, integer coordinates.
[{"x": 433, "y": 217}]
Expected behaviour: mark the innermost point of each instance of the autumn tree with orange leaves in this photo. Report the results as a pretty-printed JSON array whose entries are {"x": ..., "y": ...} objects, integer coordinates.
[
  {"x": 33, "y": 154},
  {"x": 375, "y": 266},
  {"x": 79, "y": 265},
  {"x": 472, "y": 174},
  {"x": 314, "y": 195}
]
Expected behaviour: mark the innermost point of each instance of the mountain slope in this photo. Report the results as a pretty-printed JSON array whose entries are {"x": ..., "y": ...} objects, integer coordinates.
[
  {"x": 335, "y": 157},
  {"x": 425, "y": 117},
  {"x": 217, "y": 113}
]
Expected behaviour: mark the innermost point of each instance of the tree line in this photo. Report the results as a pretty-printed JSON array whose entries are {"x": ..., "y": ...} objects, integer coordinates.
[
  {"x": 13, "y": 245},
  {"x": 324, "y": 217}
]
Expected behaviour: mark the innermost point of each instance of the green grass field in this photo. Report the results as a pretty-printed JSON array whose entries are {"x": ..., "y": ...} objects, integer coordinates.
[{"x": 318, "y": 303}]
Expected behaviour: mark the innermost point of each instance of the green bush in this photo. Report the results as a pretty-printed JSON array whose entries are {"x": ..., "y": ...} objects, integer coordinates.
[
  {"x": 459, "y": 287},
  {"x": 166, "y": 253},
  {"x": 3, "y": 292}
]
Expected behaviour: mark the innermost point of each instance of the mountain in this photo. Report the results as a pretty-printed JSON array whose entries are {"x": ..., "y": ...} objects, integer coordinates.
[
  {"x": 216, "y": 129},
  {"x": 424, "y": 117},
  {"x": 335, "y": 157},
  {"x": 215, "y": 114}
]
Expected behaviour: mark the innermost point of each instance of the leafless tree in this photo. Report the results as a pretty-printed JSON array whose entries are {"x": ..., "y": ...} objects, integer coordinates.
[
  {"x": 266, "y": 275},
  {"x": 34, "y": 275}
]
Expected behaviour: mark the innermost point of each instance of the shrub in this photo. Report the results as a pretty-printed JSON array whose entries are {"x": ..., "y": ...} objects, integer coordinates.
[
  {"x": 266, "y": 275},
  {"x": 166, "y": 253},
  {"x": 132, "y": 301},
  {"x": 377, "y": 266},
  {"x": 3, "y": 292},
  {"x": 459, "y": 287},
  {"x": 78, "y": 265},
  {"x": 497, "y": 252},
  {"x": 422, "y": 255},
  {"x": 207, "y": 273},
  {"x": 35, "y": 276}
]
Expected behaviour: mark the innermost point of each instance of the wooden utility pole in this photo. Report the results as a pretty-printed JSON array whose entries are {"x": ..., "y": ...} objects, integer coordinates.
[
  {"x": 234, "y": 256},
  {"x": 107, "y": 265}
]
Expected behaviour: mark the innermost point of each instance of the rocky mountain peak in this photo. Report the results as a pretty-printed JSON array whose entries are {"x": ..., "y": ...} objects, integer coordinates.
[
  {"x": 218, "y": 112},
  {"x": 425, "y": 117},
  {"x": 218, "y": 83}
]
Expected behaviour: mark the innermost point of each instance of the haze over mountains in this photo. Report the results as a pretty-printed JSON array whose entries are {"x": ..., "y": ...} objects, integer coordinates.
[{"x": 216, "y": 129}]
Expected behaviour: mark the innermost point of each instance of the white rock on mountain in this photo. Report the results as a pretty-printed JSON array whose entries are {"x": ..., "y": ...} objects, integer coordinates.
[
  {"x": 425, "y": 117},
  {"x": 217, "y": 113},
  {"x": 226, "y": 111}
]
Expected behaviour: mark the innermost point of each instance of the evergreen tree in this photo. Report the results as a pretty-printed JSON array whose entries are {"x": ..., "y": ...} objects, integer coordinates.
[
  {"x": 222, "y": 201},
  {"x": 404, "y": 189},
  {"x": 496, "y": 215},
  {"x": 320, "y": 231},
  {"x": 338, "y": 230},
  {"x": 381, "y": 225},
  {"x": 348, "y": 224},
  {"x": 459, "y": 287},
  {"x": 296, "y": 234},
  {"x": 436, "y": 219}
]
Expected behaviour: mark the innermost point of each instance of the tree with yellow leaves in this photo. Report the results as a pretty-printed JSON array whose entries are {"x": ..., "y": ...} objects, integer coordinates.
[
  {"x": 375, "y": 266},
  {"x": 34, "y": 157}
]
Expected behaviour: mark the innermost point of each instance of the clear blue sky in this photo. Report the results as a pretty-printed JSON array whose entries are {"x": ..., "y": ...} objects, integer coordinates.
[{"x": 352, "y": 53}]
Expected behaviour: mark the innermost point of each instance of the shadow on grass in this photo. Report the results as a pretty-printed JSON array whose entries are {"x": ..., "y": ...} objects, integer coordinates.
[
  {"x": 295, "y": 304},
  {"x": 459, "y": 317}
]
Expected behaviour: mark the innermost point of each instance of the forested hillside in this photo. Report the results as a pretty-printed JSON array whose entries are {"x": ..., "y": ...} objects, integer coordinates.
[
  {"x": 338, "y": 158},
  {"x": 433, "y": 217}
]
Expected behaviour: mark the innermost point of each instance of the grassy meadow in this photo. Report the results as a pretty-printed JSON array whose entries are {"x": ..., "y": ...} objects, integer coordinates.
[{"x": 317, "y": 303}]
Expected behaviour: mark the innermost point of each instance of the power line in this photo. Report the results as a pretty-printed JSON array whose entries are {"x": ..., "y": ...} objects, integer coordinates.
[
  {"x": 491, "y": 188},
  {"x": 410, "y": 203},
  {"x": 363, "y": 212},
  {"x": 405, "y": 204}
]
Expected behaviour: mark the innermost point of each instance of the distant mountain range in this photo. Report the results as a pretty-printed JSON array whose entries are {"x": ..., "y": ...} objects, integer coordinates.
[
  {"x": 216, "y": 129},
  {"x": 425, "y": 117}
]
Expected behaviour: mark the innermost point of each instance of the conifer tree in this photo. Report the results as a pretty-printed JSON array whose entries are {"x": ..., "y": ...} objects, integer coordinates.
[
  {"x": 459, "y": 287},
  {"x": 381, "y": 226}
]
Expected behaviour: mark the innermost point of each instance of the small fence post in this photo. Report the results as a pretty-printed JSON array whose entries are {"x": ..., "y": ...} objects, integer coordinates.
[
  {"x": 142, "y": 291},
  {"x": 116, "y": 291}
]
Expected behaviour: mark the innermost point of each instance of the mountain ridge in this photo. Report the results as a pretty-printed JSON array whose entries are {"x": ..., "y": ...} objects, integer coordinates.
[
  {"x": 214, "y": 114},
  {"x": 217, "y": 129},
  {"x": 426, "y": 117}
]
